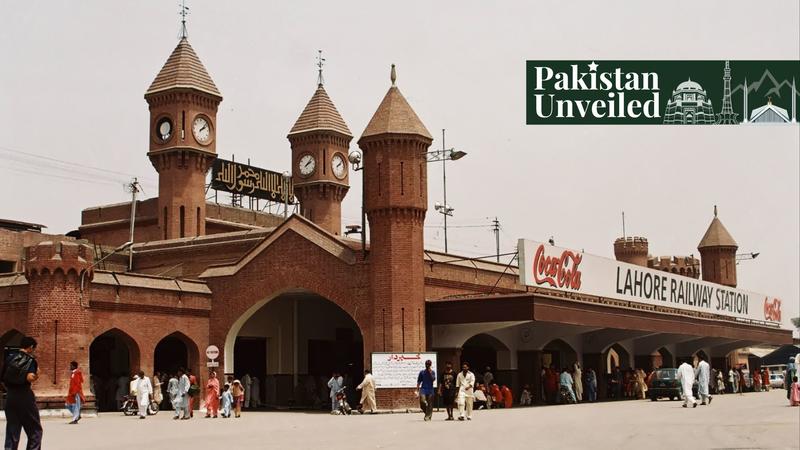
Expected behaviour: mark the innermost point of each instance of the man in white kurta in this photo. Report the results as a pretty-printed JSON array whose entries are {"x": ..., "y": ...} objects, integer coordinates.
[
  {"x": 367, "y": 388},
  {"x": 577, "y": 378},
  {"x": 247, "y": 384},
  {"x": 465, "y": 383},
  {"x": 703, "y": 375},
  {"x": 686, "y": 377},
  {"x": 144, "y": 389},
  {"x": 181, "y": 402}
]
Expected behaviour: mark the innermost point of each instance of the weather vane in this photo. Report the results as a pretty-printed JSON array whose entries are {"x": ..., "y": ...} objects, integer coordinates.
[
  {"x": 183, "y": 12},
  {"x": 320, "y": 63}
]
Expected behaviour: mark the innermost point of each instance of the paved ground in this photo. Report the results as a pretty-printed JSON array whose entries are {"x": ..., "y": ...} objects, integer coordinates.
[{"x": 751, "y": 421}]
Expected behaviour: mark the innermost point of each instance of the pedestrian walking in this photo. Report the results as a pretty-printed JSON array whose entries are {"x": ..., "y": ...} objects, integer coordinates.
[
  {"x": 158, "y": 395},
  {"x": 465, "y": 383},
  {"x": 565, "y": 382},
  {"x": 172, "y": 392},
  {"x": 194, "y": 391},
  {"x": 425, "y": 381},
  {"x": 75, "y": 396},
  {"x": 255, "y": 392},
  {"x": 765, "y": 380},
  {"x": 181, "y": 401},
  {"x": 447, "y": 389},
  {"x": 334, "y": 384},
  {"x": 367, "y": 388},
  {"x": 247, "y": 384},
  {"x": 144, "y": 394},
  {"x": 794, "y": 393},
  {"x": 720, "y": 383},
  {"x": 20, "y": 370},
  {"x": 686, "y": 377},
  {"x": 212, "y": 395},
  {"x": 742, "y": 383},
  {"x": 577, "y": 377},
  {"x": 226, "y": 399},
  {"x": 591, "y": 385},
  {"x": 703, "y": 374},
  {"x": 238, "y": 397}
]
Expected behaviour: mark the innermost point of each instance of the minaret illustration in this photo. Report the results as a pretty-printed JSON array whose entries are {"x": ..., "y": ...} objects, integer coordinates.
[
  {"x": 745, "y": 113},
  {"x": 727, "y": 116},
  {"x": 794, "y": 102}
]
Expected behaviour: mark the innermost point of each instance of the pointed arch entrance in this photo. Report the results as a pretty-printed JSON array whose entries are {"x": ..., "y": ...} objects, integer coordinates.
[
  {"x": 290, "y": 344},
  {"x": 558, "y": 353},
  {"x": 484, "y": 350},
  {"x": 176, "y": 351},
  {"x": 113, "y": 357}
]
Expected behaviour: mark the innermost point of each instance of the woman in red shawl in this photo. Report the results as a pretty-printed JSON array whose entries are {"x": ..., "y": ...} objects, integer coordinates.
[{"x": 212, "y": 395}]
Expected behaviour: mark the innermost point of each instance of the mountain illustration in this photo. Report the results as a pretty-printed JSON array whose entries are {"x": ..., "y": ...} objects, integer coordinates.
[{"x": 771, "y": 86}]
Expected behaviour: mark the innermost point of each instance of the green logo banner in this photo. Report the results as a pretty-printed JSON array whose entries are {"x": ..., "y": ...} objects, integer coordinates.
[{"x": 662, "y": 92}]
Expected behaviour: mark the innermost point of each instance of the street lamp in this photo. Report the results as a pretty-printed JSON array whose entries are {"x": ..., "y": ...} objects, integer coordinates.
[{"x": 443, "y": 155}]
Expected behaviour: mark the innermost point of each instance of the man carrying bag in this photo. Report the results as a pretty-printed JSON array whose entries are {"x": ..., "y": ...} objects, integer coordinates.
[{"x": 21, "y": 369}]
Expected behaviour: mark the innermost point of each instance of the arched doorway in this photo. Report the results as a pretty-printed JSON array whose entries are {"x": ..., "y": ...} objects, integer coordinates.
[
  {"x": 173, "y": 352},
  {"x": 617, "y": 361},
  {"x": 559, "y": 354},
  {"x": 113, "y": 357},
  {"x": 290, "y": 345},
  {"x": 661, "y": 358},
  {"x": 481, "y": 351}
]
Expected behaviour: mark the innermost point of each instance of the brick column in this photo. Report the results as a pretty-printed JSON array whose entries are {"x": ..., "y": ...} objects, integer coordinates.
[{"x": 57, "y": 316}]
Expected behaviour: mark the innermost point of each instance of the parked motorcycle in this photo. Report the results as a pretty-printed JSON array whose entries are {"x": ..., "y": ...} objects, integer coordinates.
[
  {"x": 341, "y": 401},
  {"x": 130, "y": 407}
]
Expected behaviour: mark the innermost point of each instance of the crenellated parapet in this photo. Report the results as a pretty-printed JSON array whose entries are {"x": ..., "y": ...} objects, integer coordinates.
[
  {"x": 632, "y": 250},
  {"x": 51, "y": 257}
]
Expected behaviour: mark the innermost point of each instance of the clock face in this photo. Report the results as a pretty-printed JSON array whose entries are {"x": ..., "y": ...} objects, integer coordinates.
[
  {"x": 201, "y": 130},
  {"x": 339, "y": 166},
  {"x": 164, "y": 129},
  {"x": 307, "y": 165}
]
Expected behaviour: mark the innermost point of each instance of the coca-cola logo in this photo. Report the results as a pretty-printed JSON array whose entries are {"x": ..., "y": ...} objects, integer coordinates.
[
  {"x": 772, "y": 309},
  {"x": 557, "y": 271}
]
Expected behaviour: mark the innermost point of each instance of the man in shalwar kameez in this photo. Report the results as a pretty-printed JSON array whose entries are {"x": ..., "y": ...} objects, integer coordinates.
[
  {"x": 686, "y": 377},
  {"x": 182, "y": 399},
  {"x": 367, "y": 388},
  {"x": 144, "y": 390},
  {"x": 703, "y": 376}
]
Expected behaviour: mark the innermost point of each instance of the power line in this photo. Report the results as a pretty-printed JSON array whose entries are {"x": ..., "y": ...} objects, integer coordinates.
[{"x": 70, "y": 163}]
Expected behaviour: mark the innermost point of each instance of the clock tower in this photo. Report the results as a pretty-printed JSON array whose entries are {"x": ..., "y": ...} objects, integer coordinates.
[
  {"x": 320, "y": 141},
  {"x": 182, "y": 135}
]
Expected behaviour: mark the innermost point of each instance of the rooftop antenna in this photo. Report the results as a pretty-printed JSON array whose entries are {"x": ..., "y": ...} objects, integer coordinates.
[
  {"x": 320, "y": 63},
  {"x": 184, "y": 11}
]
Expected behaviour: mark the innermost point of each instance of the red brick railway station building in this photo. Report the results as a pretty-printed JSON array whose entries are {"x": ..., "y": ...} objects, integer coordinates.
[{"x": 289, "y": 300}]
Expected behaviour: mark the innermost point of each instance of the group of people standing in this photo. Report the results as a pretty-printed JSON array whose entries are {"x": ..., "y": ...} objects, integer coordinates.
[{"x": 572, "y": 380}]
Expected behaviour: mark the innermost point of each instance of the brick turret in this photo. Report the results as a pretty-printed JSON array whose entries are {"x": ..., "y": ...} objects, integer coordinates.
[
  {"x": 395, "y": 177},
  {"x": 57, "y": 314},
  {"x": 718, "y": 254},
  {"x": 632, "y": 250}
]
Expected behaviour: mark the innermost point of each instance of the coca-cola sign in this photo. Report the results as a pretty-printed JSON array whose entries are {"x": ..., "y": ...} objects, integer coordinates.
[
  {"x": 558, "y": 271},
  {"x": 547, "y": 266}
]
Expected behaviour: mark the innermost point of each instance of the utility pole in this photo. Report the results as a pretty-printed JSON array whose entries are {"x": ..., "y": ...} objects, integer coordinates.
[
  {"x": 444, "y": 179},
  {"x": 496, "y": 229},
  {"x": 134, "y": 188}
]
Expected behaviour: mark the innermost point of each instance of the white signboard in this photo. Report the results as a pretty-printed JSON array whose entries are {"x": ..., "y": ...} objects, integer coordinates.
[
  {"x": 399, "y": 370},
  {"x": 212, "y": 352},
  {"x": 547, "y": 266}
]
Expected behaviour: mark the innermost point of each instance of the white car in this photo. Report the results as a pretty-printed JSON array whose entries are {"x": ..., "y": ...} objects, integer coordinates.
[{"x": 776, "y": 380}]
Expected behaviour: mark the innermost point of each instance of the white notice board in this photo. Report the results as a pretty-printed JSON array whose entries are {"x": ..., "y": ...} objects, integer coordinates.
[{"x": 399, "y": 370}]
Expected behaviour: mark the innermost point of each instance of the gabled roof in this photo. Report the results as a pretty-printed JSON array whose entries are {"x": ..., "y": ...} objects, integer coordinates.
[
  {"x": 395, "y": 116},
  {"x": 779, "y": 112},
  {"x": 183, "y": 69},
  {"x": 717, "y": 236},
  {"x": 320, "y": 114}
]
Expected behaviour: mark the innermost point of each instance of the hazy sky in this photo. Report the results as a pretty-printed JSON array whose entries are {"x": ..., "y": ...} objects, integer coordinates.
[{"x": 73, "y": 75}]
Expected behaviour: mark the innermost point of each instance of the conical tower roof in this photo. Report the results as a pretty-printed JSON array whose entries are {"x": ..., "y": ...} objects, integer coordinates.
[
  {"x": 717, "y": 235},
  {"x": 183, "y": 69},
  {"x": 320, "y": 114},
  {"x": 395, "y": 116}
]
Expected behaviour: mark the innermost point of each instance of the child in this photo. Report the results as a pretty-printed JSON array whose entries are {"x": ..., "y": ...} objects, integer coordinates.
[
  {"x": 238, "y": 397},
  {"x": 794, "y": 398},
  {"x": 525, "y": 399},
  {"x": 226, "y": 399}
]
